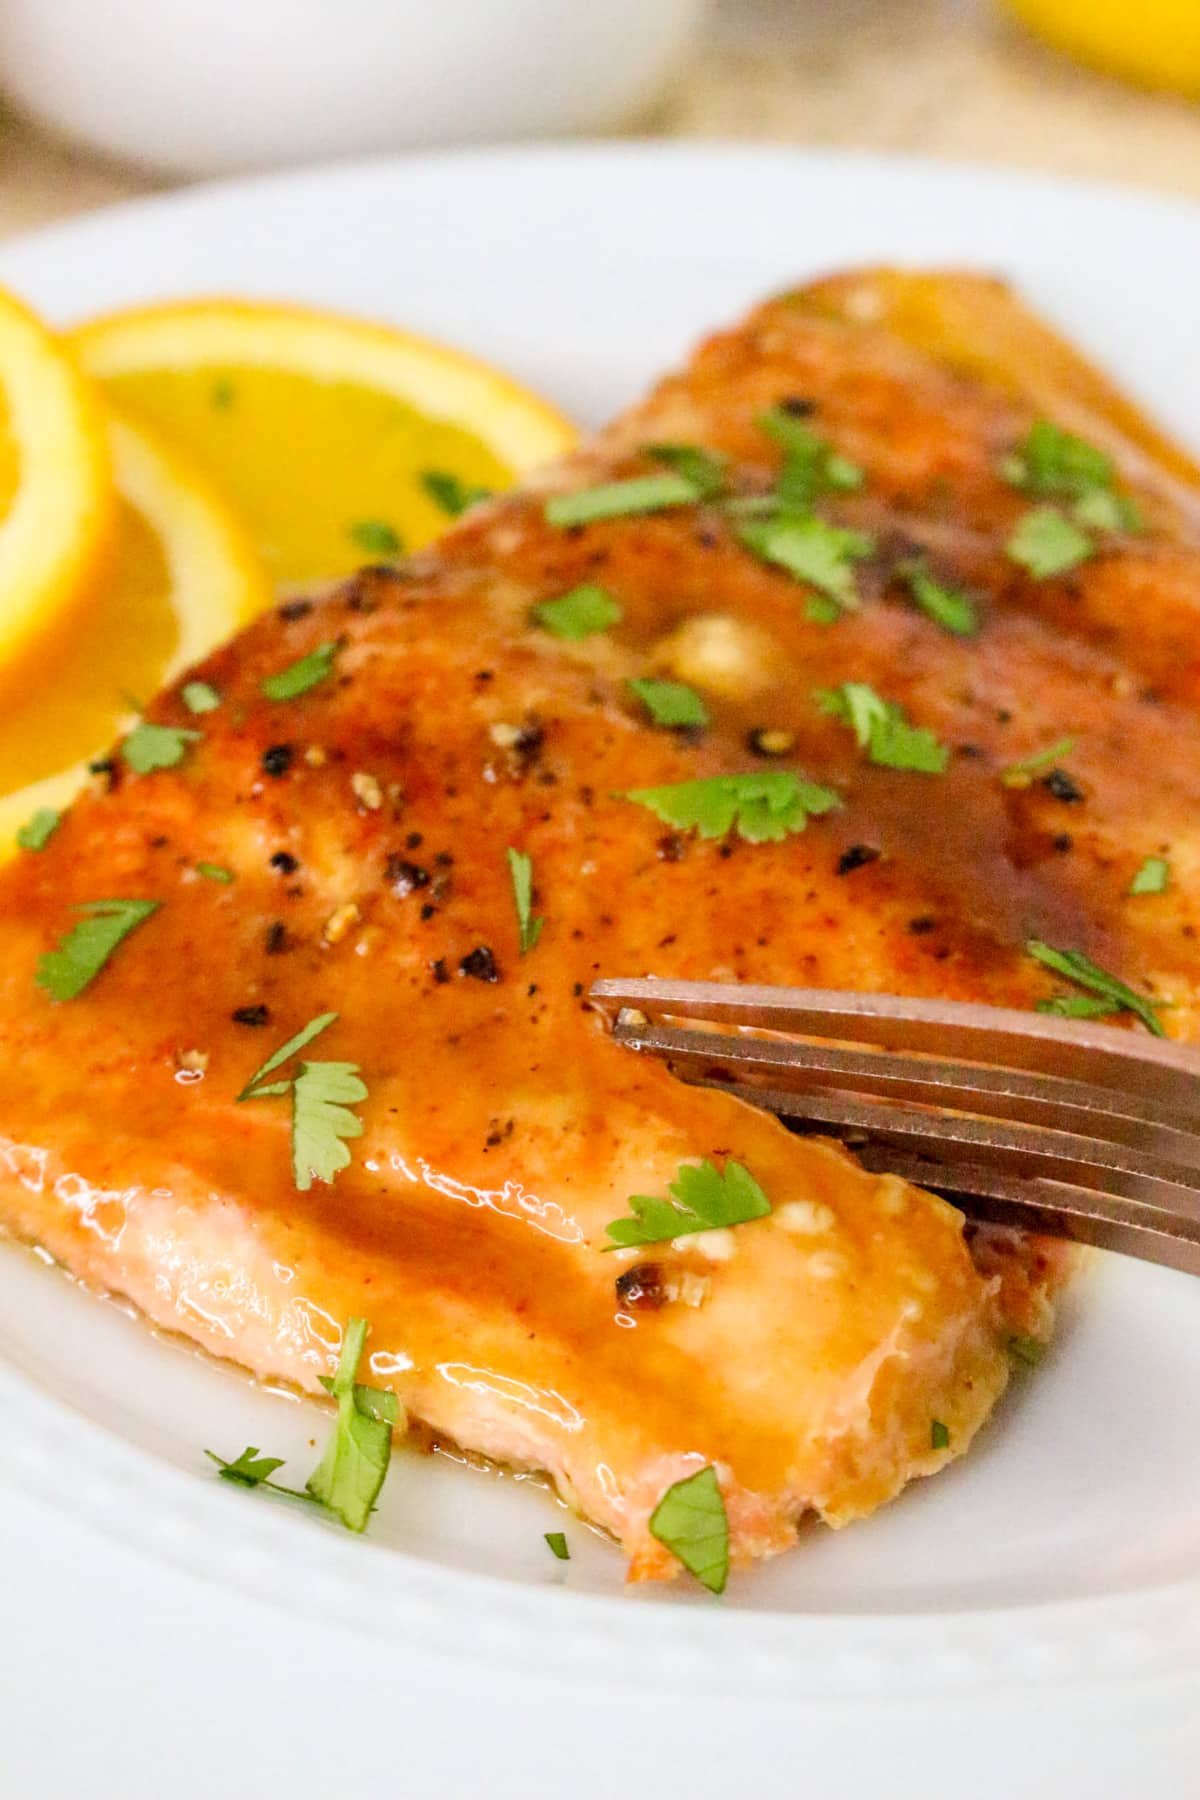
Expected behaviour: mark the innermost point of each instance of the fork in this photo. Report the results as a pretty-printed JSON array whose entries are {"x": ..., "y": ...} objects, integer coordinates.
[{"x": 1066, "y": 1127}]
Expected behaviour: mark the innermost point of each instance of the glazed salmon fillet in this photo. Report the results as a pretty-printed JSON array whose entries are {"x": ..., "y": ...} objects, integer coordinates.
[{"x": 360, "y": 832}]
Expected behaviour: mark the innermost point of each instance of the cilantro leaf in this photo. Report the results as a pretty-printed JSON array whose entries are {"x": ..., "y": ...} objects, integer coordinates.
[
  {"x": 812, "y": 551},
  {"x": 883, "y": 730},
  {"x": 948, "y": 607},
  {"x": 65, "y": 971},
  {"x": 520, "y": 868},
  {"x": 451, "y": 494},
  {"x": 621, "y": 499},
  {"x": 322, "y": 1095},
  {"x": 670, "y": 702},
  {"x": 376, "y": 537},
  {"x": 294, "y": 1045},
  {"x": 1153, "y": 877},
  {"x": 1018, "y": 774},
  {"x": 704, "y": 1198},
  {"x": 199, "y": 697},
  {"x": 1105, "y": 511},
  {"x": 301, "y": 675},
  {"x": 582, "y": 613},
  {"x": 939, "y": 1435},
  {"x": 149, "y": 747},
  {"x": 352, "y": 1470},
  {"x": 691, "y": 1521},
  {"x": 214, "y": 872},
  {"x": 764, "y": 806},
  {"x": 811, "y": 467},
  {"x": 1074, "y": 966},
  {"x": 1046, "y": 543},
  {"x": 557, "y": 1541},
  {"x": 1055, "y": 462},
  {"x": 37, "y": 831},
  {"x": 702, "y": 469},
  {"x": 249, "y": 1469}
]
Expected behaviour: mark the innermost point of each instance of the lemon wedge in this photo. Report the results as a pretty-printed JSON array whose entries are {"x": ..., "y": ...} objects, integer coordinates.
[
  {"x": 1156, "y": 42},
  {"x": 183, "y": 575},
  {"x": 339, "y": 441}
]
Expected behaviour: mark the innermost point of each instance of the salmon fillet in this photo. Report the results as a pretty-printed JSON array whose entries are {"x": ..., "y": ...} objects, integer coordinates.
[{"x": 365, "y": 823}]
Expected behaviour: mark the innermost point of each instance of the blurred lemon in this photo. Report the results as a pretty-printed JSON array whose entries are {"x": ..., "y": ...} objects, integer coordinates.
[
  {"x": 338, "y": 441},
  {"x": 1154, "y": 41}
]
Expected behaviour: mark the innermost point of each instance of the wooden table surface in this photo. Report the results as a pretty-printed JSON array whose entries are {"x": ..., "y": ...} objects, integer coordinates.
[{"x": 944, "y": 77}]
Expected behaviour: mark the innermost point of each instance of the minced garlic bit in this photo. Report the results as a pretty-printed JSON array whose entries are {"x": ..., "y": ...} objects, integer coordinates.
[
  {"x": 688, "y": 1287},
  {"x": 722, "y": 655},
  {"x": 340, "y": 922},
  {"x": 195, "y": 1062},
  {"x": 366, "y": 790},
  {"x": 315, "y": 757},
  {"x": 825, "y": 1265},
  {"x": 503, "y": 735},
  {"x": 807, "y": 1218},
  {"x": 717, "y": 1245}
]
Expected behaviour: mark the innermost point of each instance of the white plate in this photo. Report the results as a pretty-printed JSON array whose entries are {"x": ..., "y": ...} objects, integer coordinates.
[{"x": 1066, "y": 1549}]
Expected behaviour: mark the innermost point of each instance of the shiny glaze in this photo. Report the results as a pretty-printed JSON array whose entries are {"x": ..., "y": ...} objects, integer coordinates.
[{"x": 503, "y": 1129}]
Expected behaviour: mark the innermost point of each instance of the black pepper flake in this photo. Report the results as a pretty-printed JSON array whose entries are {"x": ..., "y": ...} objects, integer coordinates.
[
  {"x": 413, "y": 841},
  {"x": 642, "y": 1287},
  {"x": 428, "y": 910},
  {"x": 404, "y": 877},
  {"x": 857, "y": 856},
  {"x": 251, "y": 1015},
  {"x": 1062, "y": 842},
  {"x": 671, "y": 848},
  {"x": 294, "y": 609},
  {"x": 922, "y": 925},
  {"x": 439, "y": 971},
  {"x": 480, "y": 964},
  {"x": 1063, "y": 788},
  {"x": 277, "y": 759},
  {"x": 106, "y": 770},
  {"x": 798, "y": 406},
  {"x": 484, "y": 674},
  {"x": 276, "y": 938},
  {"x": 285, "y": 862},
  {"x": 577, "y": 989}
]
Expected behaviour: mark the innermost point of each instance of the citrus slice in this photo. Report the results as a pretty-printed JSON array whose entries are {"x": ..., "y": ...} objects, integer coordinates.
[
  {"x": 183, "y": 575},
  {"x": 323, "y": 430},
  {"x": 55, "y": 484}
]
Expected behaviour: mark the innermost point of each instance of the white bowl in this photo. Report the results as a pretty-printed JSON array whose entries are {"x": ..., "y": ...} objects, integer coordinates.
[{"x": 206, "y": 87}]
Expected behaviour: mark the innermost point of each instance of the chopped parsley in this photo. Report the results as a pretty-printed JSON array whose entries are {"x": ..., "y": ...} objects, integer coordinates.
[
  {"x": 65, "y": 971},
  {"x": 691, "y": 1521},
  {"x": 1153, "y": 877},
  {"x": 939, "y": 1435},
  {"x": 762, "y": 807},
  {"x": 199, "y": 697},
  {"x": 322, "y": 1095},
  {"x": 451, "y": 494},
  {"x": 557, "y": 1540},
  {"x": 37, "y": 831},
  {"x": 214, "y": 872},
  {"x": 149, "y": 747},
  {"x": 811, "y": 467},
  {"x": 704, "y": 471},
  {"x": 670, "y": 703},
  {"x": 622, "y": 499},
  {"x": 520, "y": 868},
  {"x": 582, "y": 613},
  {"x": 1045, "y": 542},
  {"x": 1020, "y": 774},
  {"x": 883, "y": 730},
  {"x": 276, "y": 1060},
  {"x": 815, "y": 552},
  {"x": 249, "y": 1469},
  {"x": 1105, "y": 993},
  {"x": 1055, "y": 464},
  {"x": 948, "y": 607},
  {"x": 375, "y": 536},
  {"x": 350, "y": 1474},
  {"x": 301, "y": 675},
  {"x": 704, "y": 1198}
]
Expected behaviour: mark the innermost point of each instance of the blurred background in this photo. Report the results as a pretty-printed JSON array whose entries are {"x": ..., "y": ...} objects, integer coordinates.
[{"x": 110, "y": 98}]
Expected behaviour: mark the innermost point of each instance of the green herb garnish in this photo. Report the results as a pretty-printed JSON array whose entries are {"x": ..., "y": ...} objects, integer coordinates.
[
  {"x": 1028, "y": 1351},
  {"x": 376, "y": 537},
  {"x": 199, "y": 697},
  {"x": 763, "y": 807},
  {"x": 1153, "y": 877},
  {"x": 703, "y": 470},
  {"x": 691, "y": 1521},
  {"x": 621, "y": 499},
  {"x": 451, "y": 494},
  {"x": 1110, "y": 994},
  {"x": 250, "y": 1469},
  {"x": 253, "y": 1089},
  {"x": 322, "y": 1095},
  {"x": 948, "y": 607},
  {"x": 214, "y": 872},
  {"x": 37, "y": 831},
  {"x": 1018, "y": 774},
  {"x": 883, "y": 729},
  {"x": 670, "y": 703},
  {"x": 815, "y": 552},
  {"x": 301, "y": 675},
  {"x": 1056, "y": 462},
  {"x": 520, "y": 868},
  {"x": 811, "y": 467},
  {"x": 939, "y": 1435},
  {"x": 580, "y": 614},
  {"x": 704, "y": 1198},
  {"x": 149, "y": 747},
  {"x": 65, "y": 971},
  {"x": 350, "y": 1474},
  {"x": 557, "y": 1541},
  {"x": 1047, "y": 543}
]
